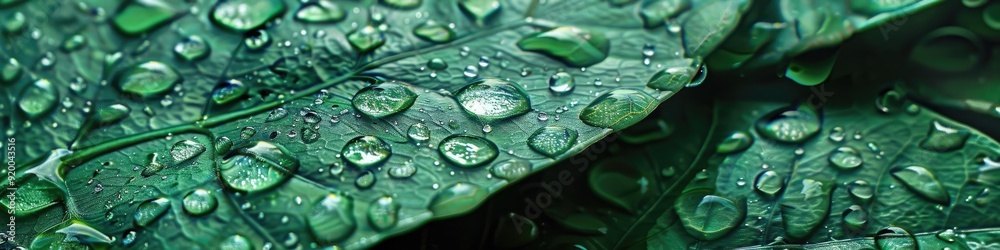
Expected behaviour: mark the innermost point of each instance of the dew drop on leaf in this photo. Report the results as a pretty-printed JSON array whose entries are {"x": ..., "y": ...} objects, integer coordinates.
[
  {"x": 137, "y": 17},
  {"x": 366, "y": 151},
  {"x": 418, "y": 132},
  {"x": 512, "y": 169},
  {"x": 479, "y": 10},
  {"x": 259, "y": 167},
  {"x": 257, "y": 40},
  {"x": 770, "y": 183},
  {"x": 618, "y": 109},
  {"x": 790, "y": 125},
  {"x": 384, "y": 99},
  {"x": 229, "y": 91},
  {"x": 468, "y": 151},
  {"x": 309, "y": 135},
  {"x": 577, "y": 47},
  {"x": 403, "y": 171},
  {"x": 434, "y": 32},
  {"x": 855, "y": 219},
  {"x": 247, "y": 132},
  {"x": 199, "y": 202},
  {"x": 493, "y": 99},
  {"x": 437, "y": 64},
  {"x": 922, "y": 181},
  {"x": 402, "y": 4},
  {"x": 736, "y": 142},
  {"x": 332, "y": 218},
  {"x": 366, "y": 180},
  {"x": 147, "y": 79},
  {"x": 457, "y": 199},
  {"x": 895, "y": 238},
  {"x": 561, "y": 83},
  {"x": 245, "y": 15},
  {"x": 845, "y": 158},
  {"x": 944, "y": 138},
  {"x": 186, "y": 150},
  {"x": 236, "y": 242},
  {"x": 707, "y": 217},
  {"x": 383, "y": 213},
  {"x": 552, "y": 140},
  {"x": 192, "y": 48},
  {"x": 37, "y": 99},
  {"x": 322, "y": 11},
  {"x": 366, "y": 39},
  {"x": 150, "y": 210}
]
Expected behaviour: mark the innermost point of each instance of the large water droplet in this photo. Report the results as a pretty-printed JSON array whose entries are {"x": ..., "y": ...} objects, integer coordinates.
[
  {"x": 552, "y": 140},
  {"x": 192, "y": 48},
  {"x": 383, "y": 213},
  {"x": 199, "y": 202},
  {"x": 944, "y": 138},
  {"x": 656, "y": 13},
  {"x": 512, "y": 169},
  {"x": 14, "y": 23},
  {"x": 37, "y": 99},
  {"x": 437, "y": 64},
  {"x": 577, "y": 47},
  {"x": 247, "y": 132},
  {"x": 561, "y": 83},
  {"x": 366, "y": 39},
  {"x": 403, "y": 171},
  {"x": 479, "y": 10},
  {"x": 365, "y": 151},
  {"x": 432, "y": 31},
  {"x": 309, "y": 135},
  {"x": 471, "y": 71},
  {"x": 791, "y": 125},
  {"x": 804, "y": 208},
  {"x": 332, "y": 218},
  {"x": 468, "y": 151},
  {"x": 153, "y": 165},
  {"x": 736, "y": 142},
  {"x": 457, "y": 199},
  {"x": 186, "y": 150},
  {"x": 922, "y": 181},
  {"x": 245, "y": 15},
  {"x": 418, "y": 132},
  {"x": 845, "y": 158},
  {"x": 236, "y": 242},
  {"x": 895, "y": 238},
  {"x": 493, "y": 99},
  {"x": 861, "y": 190},
  {"x": 707, "y": 217},
  {"x": 138, "y": 17},
  {"x": 384, "y": 99},
  {"x": 770, "y": 183},
  {"x": 150, "y": 210},
  {"x": 855, "y": 219},
  {"x": 322, "y": 11},
  {"x": 260, "y": 167},
  {"x": 618, "y": 109},
  {"x": 147, "y": 79}
]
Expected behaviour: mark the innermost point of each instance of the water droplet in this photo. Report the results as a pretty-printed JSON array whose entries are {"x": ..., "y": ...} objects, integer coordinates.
[
  {"x": 37, "y": 99},
  {"x": 236, "y": 242},
  {"x": 186, "y": 150},
  {"x": 479, "y": 10},
  {"x": 437, "y": 64},
  {"x": 577, "y": 47},
  {"x": 138, "y": 17},
  {"x": 770, "y": 183},
  {"x": 402, "y": 4},
  {"x": 468, "y": 151},
  {"x": 947, "y": 235},
  {"x": 618, "y": 109},
  {"x": 855, "y": 219},
  {"x": 276, "y": 114},
  {"x": 332, "y": 218},
  {"x": 895, "y": 238},
  {"x": 542, "y": 116},
  {"x": 922, "y": 181},
  {"x": 257, "y": 168},
  {"x": 366, "y": 39},
  {"x": 845, "y": 158},
  {"x": 11, "y": 71},
  {"x": 147, "y": 79},
  {"x": 463, "y": 51},
  {"x": 418, "y": 132},
  {"x": 14, "y": 23},
  {"x": 366, "y": 151},
  {"x": 493, "y": 99},
  {"x": 736, "y": 142},
  {"x": 655, "y": 13},
  {"x": 74, "y": 43},
  {"x": 837, "y": 134},
  {"x": 707, "y": 217},
  {"x": 805, "y": 207},
  {"x": 128, "y": 238},
  {"x": 525, "y": 72},
  {"x": 561, "y": 83},
  {"x": 245, "y": 15},
  {"x": 150, "y": 210},
  {"x": 229, "y": 91},
  {"x": 257, "y": 40},
  {"x": 366, "y": 180},
  {"x": 322, "y": 11},
  {"x": 471, "y": 71},
  {"x": 403, "y": 171},
  {"x": 199, "y": 202},
  {"x": 384, "y": 99},
  {"x": 247, "y": 132},
  {"x": 944, "y": 138},
  {"x": 383, "y": 213},
  {"x": 192, "y": 48},
  {"x": 552, "y": 140},
  {"x": 457, "y": 199},
  {"x": 889, "y": 101},
  {"x": 512, "y": 169},
  {"x": 791, "y": 125},
  {"x": 487, "y": 128},
  {"x": 434, "y": 32},
  {"x": 861, "y": 190}
]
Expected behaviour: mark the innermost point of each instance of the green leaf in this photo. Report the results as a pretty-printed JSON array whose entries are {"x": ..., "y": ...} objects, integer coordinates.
[{"x": 286, "y": 124}]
